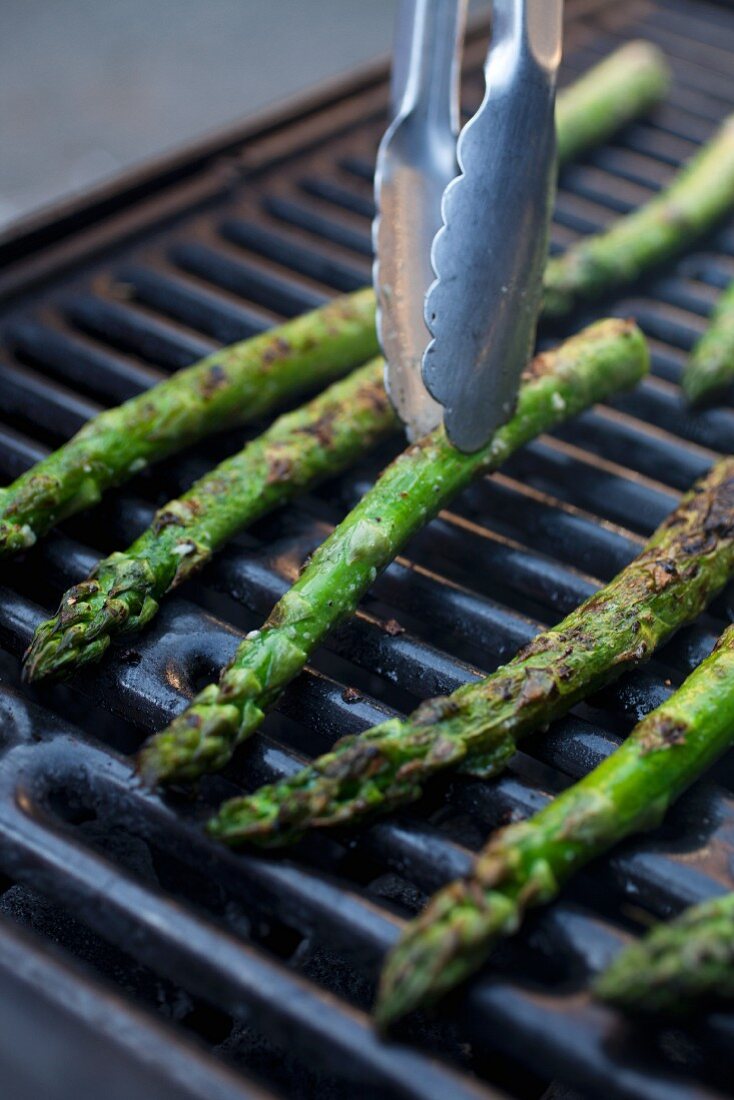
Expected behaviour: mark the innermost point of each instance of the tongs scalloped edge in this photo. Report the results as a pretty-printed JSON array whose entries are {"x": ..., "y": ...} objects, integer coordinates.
[{"x": 459, "y": 258}]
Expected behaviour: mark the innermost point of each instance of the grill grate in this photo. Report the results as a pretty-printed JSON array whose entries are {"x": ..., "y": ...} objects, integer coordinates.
[{"x": 110, "y": 298}]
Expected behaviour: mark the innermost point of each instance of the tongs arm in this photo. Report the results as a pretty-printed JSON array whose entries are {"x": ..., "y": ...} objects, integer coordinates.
[
  {"x": 489, "y": 255},
  {"x": 416, "y": 160},
  {"x": 460, "y": 244}
]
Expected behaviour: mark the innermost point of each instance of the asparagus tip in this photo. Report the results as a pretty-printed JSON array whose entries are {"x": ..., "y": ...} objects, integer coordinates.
[
  {"x": 438, "y": 950},
  {"x": 39, "y": 657},
  {"x": 162, "y": 760},
  {"x": 401, "y": 990},
  {"x": 641, "y": 982},
  {"x": 613, "y": 984},
  {"x": 115, "y": 598},
  {"x": 675, "y": 965},
  {"x": 252, "y": 819},
  {"x": 199, "y": 740},
  {"x": 149, "y": 766},
  {"x": 56, "y": 650},
  {"x": 416, "y": 973}
]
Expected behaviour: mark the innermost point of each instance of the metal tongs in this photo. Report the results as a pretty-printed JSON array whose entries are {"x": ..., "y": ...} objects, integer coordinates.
[{"x": 461, "y": 227}]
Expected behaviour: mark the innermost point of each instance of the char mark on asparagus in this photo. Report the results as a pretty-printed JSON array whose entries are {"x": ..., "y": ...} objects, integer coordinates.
[
  {"x": 686, "y": 563},
  {"x": 604, "y": 358},
  {"x": 527, "y": 864}
]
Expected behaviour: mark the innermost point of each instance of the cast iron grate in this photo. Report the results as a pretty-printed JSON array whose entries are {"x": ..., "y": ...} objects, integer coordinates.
[{"x": 109, "y": 298}]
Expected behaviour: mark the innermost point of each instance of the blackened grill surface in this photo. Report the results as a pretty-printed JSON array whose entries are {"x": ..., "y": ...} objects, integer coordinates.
[{"x": 211, "y": 974}]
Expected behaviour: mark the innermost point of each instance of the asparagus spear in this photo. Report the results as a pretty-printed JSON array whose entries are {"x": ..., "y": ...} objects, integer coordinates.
[
  {"x": 410, "y": 491},
  {"x": 710, "y": 366},
  {"x": 122, "y": 592},
  {"x": 247, "y": 380},
  {"x": 686, "y": 562},
  {"x": 233, "y": 386},
  {"x": 676, "y": 965},
  {"x": 527, "y": 864},
  {"x": 300, "y": 448},
  {"x": 698, "y": 197},
  {"x": 626, "y": 84}
]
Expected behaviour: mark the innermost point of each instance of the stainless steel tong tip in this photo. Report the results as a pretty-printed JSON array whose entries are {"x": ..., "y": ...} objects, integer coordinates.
[
  {"x": 460, "y": 256},
  {"x": 415, "y": 162}
]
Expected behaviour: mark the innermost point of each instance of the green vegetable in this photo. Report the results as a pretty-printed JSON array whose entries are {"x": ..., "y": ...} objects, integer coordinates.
[
  {"x": 676, "y": 965},
  {"x": 626, "y": 84},
  {"x": 300, "y": 448},
  {"x": 696, "y": 199},
  {"x": 527, "y": 864},
  {"x": 687, "y": 561},
  {"x": 233, "y": 386},
  {"x": 250, "y": 379},
  {"x": 710, "y": 367},
  {"x": 604, "y": 358},
  {"x": 122, "y": 593}
]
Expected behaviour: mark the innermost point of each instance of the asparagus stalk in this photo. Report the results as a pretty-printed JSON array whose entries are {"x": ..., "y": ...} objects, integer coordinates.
[
  {"x": 233, "y": 386},
  {"x": 698, "y": 197},
  {"x": 248, "y": 380},
  {"x": 527, "y": 864},
  {"x": 710, "y": 366},
  {"x": 605, "y": 357},
  {"x": 623, "y": 86},
  {"x": 302, "y": 447},
  {"x": 122, "y": 593},
  {"x": 676, "y": 965},
  {"x": 686, "y": 562}
]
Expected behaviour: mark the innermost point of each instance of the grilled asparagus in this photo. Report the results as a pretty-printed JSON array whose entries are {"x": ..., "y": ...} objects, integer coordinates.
[
  {"x": 677, "y": 965},
  {"x": 697, "y": 198},
  {"x": 248, "y": 380},
  {"x": 527, "y": 864},
  {"x": 600, "y": 360},
  {"x": 687, "y": 561},
  {"x": 233, "y": 386},
  {"x": 710, "y": 366},
  {"x": 300, "y": 448}
]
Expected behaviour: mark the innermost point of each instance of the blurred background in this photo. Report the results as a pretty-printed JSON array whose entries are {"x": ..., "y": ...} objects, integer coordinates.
[{"x": 88, "y": 87}]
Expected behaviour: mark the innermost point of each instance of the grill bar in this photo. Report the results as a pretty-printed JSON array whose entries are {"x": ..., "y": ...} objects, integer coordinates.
[
  {"x": 233, "y": 252},
  {"x": 90, "y": 1034},
  {"x": 218, "y": 966}
]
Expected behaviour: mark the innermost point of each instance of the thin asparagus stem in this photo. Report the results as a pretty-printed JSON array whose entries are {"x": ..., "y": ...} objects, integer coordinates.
[
  {"x": 527, "y": 864},
  {"x": 607, "y": 356},
  {"x": 302, "y": 447},
  {"x": 696, "y": 200},
  {"x": 676, "y": 966},
  {"x": 710, "y": 366},
  {"x": 686, "y": 562}
]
